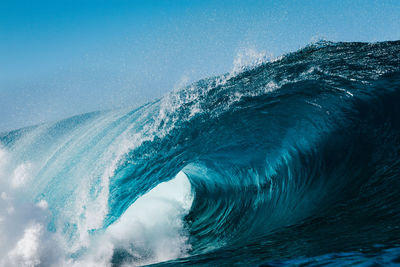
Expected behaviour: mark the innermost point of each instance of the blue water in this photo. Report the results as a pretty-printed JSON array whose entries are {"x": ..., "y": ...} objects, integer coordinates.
[{"x": 293, "y": 161}]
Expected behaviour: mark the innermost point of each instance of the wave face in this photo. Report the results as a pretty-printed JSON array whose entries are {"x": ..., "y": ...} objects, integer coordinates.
[{"x": 294, "y": 161}]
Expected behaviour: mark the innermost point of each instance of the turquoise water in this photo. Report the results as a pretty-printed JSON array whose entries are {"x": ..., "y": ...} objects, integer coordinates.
[{"x": 291, "y": 161}]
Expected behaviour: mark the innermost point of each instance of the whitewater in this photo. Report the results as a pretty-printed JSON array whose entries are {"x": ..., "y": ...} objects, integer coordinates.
[{"x": 294, "y": 160}]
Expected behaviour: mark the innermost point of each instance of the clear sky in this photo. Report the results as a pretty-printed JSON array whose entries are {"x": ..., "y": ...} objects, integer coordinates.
[{"x": 65, "y": 57}]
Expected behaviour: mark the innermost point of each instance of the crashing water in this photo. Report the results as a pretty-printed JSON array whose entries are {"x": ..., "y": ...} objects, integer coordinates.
[{"x": 291, "y": 161}]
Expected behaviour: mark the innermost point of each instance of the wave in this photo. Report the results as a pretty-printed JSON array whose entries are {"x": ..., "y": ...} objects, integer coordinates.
[{"x": 286, "y": 162}]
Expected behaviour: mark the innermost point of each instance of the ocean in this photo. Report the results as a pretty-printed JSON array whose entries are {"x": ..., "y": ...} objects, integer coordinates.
[{"x": 292, "y": 161}]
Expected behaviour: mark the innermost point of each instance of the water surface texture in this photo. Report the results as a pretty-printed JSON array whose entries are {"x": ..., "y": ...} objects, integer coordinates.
[{"x": 292, "y": 161}]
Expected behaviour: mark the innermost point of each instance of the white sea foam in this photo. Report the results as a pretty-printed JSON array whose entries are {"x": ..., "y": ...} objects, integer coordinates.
[
  {"x": 26, "y": 251},
  {"x": 151, "y": 230},
  {"x": 249, "y": 58},
  {"x": 21, "y": 175},
  {"x": 24, "y": 240}
]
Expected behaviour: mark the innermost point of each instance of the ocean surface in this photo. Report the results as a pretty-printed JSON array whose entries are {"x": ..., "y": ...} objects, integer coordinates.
[{"x": 291, "y": 161}]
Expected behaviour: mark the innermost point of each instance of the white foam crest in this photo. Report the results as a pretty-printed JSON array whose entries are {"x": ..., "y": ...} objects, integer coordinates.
[
  {"x": 167, "y": 115},
  {"x": 189, "y": 97},
  {"x": 249, "y": 58}
]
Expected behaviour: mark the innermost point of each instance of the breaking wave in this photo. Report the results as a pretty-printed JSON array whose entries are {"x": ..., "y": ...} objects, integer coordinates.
[{"x": 289, "y": 161}]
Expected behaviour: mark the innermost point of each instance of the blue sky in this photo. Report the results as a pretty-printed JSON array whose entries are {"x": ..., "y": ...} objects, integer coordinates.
[{"x": 65, "y": 57}]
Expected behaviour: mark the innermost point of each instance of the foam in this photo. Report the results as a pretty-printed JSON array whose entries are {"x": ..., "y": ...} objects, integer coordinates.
[
  {"x": 249, "y": 58},
  {"x": 24, "y": 239},
  {"x": 152, "y": 229},
  {"x": 31, "y": 200},
  {"x": 26, "y": 252},
  {"x": 21, "y": 175}
]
